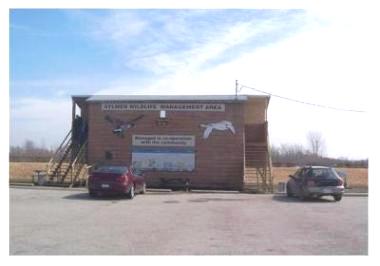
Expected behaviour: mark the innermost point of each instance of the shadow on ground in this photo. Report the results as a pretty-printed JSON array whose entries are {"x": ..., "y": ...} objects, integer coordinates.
[
  {"x": 214, "y": 199},
  {"x": 284, "y": 198},
  {"x": 86, "y": 196},
  {"x": 171, "y": 201}
]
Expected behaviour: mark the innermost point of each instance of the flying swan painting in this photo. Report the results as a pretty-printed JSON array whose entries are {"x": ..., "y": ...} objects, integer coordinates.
[{"x": 222, "y": 125}]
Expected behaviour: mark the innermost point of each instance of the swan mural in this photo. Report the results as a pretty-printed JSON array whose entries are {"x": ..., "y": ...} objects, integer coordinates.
[
  {"x": 222, "y": 125},
  {"x": 119, "y": 126}
]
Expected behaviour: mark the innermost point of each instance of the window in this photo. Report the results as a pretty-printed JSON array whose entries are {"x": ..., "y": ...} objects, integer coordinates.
[
  {"x": 321, "y": 173},
  {"x": 112, "y": 169},
  {"x": 108, "y": 155},
  {"x": 135, "y": 171}
]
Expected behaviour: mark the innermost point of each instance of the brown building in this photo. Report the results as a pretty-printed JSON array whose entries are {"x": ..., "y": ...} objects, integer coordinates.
[{"x": 215, "y": 141}]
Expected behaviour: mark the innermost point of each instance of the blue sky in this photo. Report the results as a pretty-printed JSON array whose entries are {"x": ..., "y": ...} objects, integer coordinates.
[
  {"x": 96, "y": 45},
  {"x": 308, "y": 55}
]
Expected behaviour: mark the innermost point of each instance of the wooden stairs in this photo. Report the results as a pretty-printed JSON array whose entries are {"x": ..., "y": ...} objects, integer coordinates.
[
  {"x": 258, "y": 165},
  {"x": 67, "y": 166}
]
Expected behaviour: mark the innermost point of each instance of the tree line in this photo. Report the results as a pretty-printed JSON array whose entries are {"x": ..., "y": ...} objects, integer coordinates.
[
  {"x": 282, "y": 155},
  {"x": 298, "y": 155},
  {"x": 30, "y": 152}
]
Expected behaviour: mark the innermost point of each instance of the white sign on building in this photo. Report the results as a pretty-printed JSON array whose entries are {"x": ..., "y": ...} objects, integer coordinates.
[
  {"x": 163, "y": 161},
  {"x": 202, "y": 107},
  {"x": 163, "y": 152},
  {"x": 163, "y": 140}
]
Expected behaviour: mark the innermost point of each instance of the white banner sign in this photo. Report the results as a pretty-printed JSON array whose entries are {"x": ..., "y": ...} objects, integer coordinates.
[
  {"x": 204, "y": 107},
  {"x": 163, "y": 140},
  {"x": 163, "y": 161}
]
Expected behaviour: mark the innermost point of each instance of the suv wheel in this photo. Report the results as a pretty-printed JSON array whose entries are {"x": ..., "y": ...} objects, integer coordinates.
[
  {"x": 289, "y": 191},
  {"x": 338, "y": 197},
  {"x": 302, "y": 195}
]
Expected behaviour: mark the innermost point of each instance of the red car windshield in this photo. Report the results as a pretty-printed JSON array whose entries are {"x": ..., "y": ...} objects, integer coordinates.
[{"x": 112, "y": 169}]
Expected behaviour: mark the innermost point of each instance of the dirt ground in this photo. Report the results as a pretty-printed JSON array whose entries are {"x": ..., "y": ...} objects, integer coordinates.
[
  {"x": 357, "y": 177},
  {"x": 70, "y": 222}
]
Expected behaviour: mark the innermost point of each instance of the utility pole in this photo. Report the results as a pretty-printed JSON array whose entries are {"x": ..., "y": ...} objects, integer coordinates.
[{"x": 236, "y": 89}]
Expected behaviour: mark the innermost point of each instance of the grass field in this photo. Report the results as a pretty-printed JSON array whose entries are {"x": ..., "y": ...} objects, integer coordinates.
[
  {"x": 23, "y": 171},
  {"x": 357, "y": 177}
]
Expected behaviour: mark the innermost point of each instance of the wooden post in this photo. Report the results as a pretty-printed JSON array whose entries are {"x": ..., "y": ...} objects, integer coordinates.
[
  {"x": 236, "y": 89},
  {"x": 73, "y": 114}
]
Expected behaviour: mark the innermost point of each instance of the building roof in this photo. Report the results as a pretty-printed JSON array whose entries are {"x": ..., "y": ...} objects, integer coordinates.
[{"x": 223, "y": 98}]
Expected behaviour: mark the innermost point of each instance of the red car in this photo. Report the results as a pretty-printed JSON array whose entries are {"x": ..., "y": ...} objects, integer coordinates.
[{"x": 116, "y": 180}]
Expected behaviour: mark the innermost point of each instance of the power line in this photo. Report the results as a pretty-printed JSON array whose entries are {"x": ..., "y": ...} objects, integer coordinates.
[{"x": 302, "y": 102}]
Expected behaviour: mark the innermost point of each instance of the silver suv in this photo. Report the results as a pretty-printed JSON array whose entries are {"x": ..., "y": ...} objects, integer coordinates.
[{"x": 315, "y": 181}]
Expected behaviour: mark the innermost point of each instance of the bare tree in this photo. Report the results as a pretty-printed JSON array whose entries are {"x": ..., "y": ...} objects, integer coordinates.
[
  {"x": 316, "y": 143},
  {"x": 29, "y": 145},
  {"x": 292, "y": 149},
  {"x": 291, "y": 154},
  {"x": 288, "y": 153},
  {"x": 29, "y": 152}
]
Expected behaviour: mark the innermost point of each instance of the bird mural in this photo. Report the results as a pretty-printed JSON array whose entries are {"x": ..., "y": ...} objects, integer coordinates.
[
  {"x": 222, "y": 125},
  {"x": 120, "y": 126}
]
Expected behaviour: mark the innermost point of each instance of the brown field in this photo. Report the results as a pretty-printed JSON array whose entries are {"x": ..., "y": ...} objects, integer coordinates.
[
  {"x": 357, "y": 177},
  {"x": 23, "y": 171}
]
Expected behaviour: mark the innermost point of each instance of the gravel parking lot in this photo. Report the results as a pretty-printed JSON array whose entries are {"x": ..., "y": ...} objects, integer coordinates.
[{"x": 47, "y": 221}]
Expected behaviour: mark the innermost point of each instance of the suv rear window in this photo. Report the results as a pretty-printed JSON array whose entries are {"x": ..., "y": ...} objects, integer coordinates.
[
  {"x": 112, "y": 169},
  {"x": 321, "y": 173}
]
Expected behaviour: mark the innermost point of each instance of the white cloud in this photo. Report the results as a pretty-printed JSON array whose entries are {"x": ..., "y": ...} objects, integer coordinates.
[
  {"x": 166, "y": 41},
  {"x": 326, "y": 63},
  {"x": 40, "y": 120},
  {"x": 47, "y": 83},
  {"x": 121, "y": 27}
]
